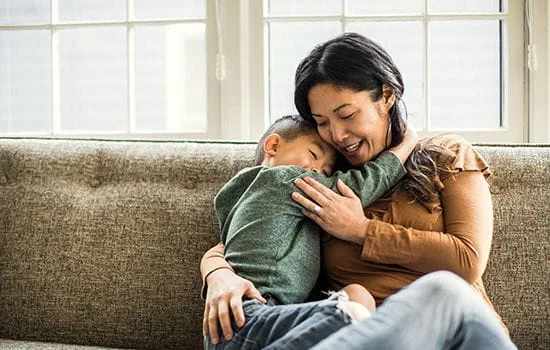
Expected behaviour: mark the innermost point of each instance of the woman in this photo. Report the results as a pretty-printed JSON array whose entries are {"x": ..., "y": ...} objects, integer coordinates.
[{"x": 439, "y": 217}]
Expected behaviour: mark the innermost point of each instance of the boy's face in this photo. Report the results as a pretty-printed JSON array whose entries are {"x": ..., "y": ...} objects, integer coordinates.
[{"x": 307, "y": 151}]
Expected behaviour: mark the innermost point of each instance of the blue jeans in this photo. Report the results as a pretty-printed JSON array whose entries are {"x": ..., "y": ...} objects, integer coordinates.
[
  {"x": 299, "y": 326},
  {"x": 437, "y": 311}
]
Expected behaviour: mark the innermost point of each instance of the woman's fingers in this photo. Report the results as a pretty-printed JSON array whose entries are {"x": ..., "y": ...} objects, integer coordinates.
[
  {"x": 318, "y": 219},
  {"x": 252, "y": 293},
  {"x": 224, "y": 303},
  {"x": 344, "y": 189},
  {"x": 303, "y": 201},
  {"x": 311, "y": 191},
  {"x": 213, "y": 324},
  {"x": 205, "y": 321},
  {"x": 225, "y": 319},
  {"x": 324, "y": 190},
  {"x": 236, "y": 304}
]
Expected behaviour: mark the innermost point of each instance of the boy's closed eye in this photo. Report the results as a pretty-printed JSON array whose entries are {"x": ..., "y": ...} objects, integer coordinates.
[{"x": 314, "y": 155}]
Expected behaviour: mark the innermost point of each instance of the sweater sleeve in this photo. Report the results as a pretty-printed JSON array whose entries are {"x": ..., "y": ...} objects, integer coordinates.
[
  {"x": 463, "y": 247},
  {"x": 371, "y": 181},
  {"x": 211, "y": 261}
]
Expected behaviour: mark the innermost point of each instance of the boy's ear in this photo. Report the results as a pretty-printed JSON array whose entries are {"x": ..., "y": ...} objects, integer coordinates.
[{"x": 272, "y": 144}]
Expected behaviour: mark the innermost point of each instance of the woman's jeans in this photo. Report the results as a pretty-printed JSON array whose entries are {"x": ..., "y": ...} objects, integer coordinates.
[{"x": 438, "y": 311}]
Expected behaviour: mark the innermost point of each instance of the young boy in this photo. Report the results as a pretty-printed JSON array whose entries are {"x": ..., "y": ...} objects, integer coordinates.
[{"x": 267, "y": 238}]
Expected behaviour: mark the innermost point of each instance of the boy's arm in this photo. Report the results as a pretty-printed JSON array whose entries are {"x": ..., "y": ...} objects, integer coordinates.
[
  {"x": 405, "y": 148},
  {"x": 376, "y": 177},
  {"x": 370, "y": 182}
]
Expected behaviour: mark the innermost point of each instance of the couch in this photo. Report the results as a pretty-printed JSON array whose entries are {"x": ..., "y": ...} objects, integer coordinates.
[{"x": 100, "y": 241}]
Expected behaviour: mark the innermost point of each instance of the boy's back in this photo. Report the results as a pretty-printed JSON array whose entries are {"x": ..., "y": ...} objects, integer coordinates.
[{"x": 267, "y": 239}]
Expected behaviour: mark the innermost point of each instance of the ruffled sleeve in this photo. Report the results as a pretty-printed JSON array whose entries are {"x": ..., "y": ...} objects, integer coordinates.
[{"x": 462, "y": 156}]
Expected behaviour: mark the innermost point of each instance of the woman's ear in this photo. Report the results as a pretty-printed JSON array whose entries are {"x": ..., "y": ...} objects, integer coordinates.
[
  {"x": 388, "y": 96},
  {"x": 272, "y": 144}
]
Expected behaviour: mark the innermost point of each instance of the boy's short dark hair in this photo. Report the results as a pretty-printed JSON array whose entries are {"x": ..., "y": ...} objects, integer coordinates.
[{"x": 288, "y": 127}]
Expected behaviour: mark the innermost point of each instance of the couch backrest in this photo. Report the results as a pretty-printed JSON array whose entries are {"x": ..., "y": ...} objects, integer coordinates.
[
  {"x": 100, "y": 241},
  {"x": 517, "y": 275}
]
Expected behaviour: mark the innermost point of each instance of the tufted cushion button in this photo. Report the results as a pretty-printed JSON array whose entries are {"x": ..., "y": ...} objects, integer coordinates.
[
  {"x": 3, "y": 180},
  {"x": 190, "y": 185},
  {"x": 94, "y": 183},
  {"x": 494, "y": 189}
]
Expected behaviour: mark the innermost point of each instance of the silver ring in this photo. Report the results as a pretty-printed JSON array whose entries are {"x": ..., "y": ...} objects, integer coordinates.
[{"x": 316, "y": 210}]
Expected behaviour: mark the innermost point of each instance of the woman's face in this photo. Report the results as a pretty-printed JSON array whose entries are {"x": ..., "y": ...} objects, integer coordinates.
[{"x": 351, "y": 121}]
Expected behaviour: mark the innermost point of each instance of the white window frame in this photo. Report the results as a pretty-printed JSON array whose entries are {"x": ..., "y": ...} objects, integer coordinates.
[
  {"x": 250, "y": 115},
  {"x": 213, "y": 87},
  {"x": 237, "y": 107},
  {"x": 538, "y": 79}
]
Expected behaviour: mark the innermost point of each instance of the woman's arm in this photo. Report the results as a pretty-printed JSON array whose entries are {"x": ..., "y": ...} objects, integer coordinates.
[
  {"x": 223, "y": 291},
  {"x": 464, "y": 246},
  {"x": 211, "y": 261}
]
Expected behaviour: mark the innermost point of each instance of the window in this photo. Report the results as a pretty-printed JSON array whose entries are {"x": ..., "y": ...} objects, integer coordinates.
[
  {"x": 141, "y": 68},
  {"x": 100, "y": 67},
  {"x": 455, "y": 56}
]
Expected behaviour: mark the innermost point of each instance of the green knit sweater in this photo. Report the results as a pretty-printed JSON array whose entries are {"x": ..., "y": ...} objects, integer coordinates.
[{"x": 267, "y": 238}]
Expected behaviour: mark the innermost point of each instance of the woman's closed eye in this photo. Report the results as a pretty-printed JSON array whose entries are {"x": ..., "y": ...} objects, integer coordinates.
[
  {"x": 314, "y": 155},
  {"x": 348, "y": 116}
]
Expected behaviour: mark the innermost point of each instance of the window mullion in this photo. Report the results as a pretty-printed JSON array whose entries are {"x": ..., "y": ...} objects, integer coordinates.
[
  {"x": 213, "y": 93},
  {"x": 344, "y": 15},
  {"x": 55, "y": 69},
  {"x": 131, "y": 79},
  {"x": 131, "y": 67},
  {"x": 257, "y": 98},
  {"x": 425, "y": 129}
]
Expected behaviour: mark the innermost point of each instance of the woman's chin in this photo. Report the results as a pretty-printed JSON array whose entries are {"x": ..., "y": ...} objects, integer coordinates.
[
  {"x": 357, "y": 162},
  {"x": 359, "y": 159}
]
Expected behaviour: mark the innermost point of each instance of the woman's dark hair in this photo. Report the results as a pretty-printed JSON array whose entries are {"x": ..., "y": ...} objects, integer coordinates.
[{"x": 355, "y": 62}]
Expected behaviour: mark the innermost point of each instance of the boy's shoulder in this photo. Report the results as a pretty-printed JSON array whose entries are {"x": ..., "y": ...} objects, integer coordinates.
[
  {"x": 271, "y": 173},
  {"x": 282, "y": 172}
]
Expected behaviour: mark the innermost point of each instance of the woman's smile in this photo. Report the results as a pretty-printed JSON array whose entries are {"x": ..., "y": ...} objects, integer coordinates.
[
  {"x": 352, "y": 148},
  {"x": 354, "y": 153}
]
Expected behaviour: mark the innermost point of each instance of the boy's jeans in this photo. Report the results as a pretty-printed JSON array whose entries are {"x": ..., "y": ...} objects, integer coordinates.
[
  {"x": 286, "y": 326},
  {"x": 437, "y": 311}
]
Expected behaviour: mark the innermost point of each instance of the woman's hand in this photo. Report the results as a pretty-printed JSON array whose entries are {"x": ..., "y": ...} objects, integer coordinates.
[
  {"x": 225, "y": 291},
  {"x": 341, "y": 216}
]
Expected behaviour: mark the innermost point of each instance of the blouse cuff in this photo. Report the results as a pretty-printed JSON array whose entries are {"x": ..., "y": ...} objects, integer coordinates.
[
  {"x": 210, "y": 265},
  {"x": 368, "y": 243}
]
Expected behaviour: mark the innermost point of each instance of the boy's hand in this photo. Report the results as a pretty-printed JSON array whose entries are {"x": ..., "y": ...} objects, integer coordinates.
[{"x": 404, "y": 149}]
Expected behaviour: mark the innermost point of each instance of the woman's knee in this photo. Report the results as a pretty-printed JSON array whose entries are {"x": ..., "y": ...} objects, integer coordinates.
[{"x": 445, "y": 285}]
